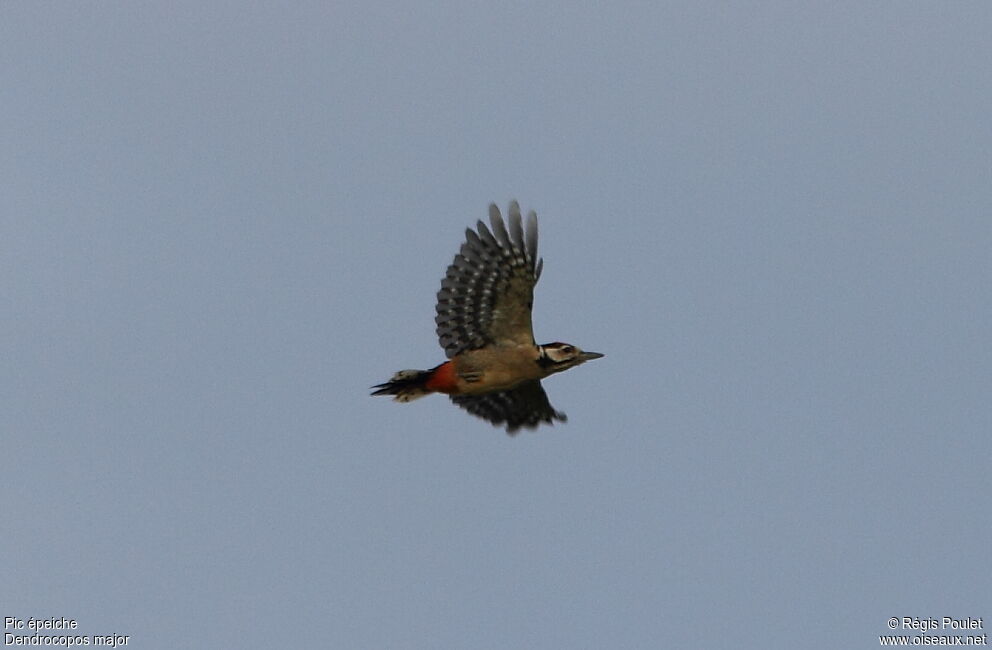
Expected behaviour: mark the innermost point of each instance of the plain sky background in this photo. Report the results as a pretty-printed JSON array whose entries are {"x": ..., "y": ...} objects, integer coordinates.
[{"x": 221, "y": 222}]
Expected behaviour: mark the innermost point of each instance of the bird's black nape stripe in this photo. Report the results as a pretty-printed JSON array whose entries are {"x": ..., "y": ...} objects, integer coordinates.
[{"x": 545, "y": 361}]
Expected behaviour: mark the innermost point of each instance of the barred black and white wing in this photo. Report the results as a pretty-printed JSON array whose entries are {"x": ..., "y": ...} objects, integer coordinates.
[
  {"x": 526, "y": 406},
  {"x": 487, "y": 293}
]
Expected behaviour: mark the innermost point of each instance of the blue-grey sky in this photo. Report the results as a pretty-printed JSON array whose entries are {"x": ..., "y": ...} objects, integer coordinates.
[{"x": 221, "y": 222}]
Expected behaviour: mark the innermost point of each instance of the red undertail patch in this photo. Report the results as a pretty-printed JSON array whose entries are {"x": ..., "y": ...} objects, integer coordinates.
[{"x": 443, "y": 378}]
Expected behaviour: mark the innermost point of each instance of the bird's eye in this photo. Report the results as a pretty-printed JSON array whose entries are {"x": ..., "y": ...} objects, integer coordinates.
[{"x": 568, "y": 349}]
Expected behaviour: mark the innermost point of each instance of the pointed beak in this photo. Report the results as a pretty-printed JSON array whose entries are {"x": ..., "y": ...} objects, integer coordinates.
[{"x": 589, "y": 356}]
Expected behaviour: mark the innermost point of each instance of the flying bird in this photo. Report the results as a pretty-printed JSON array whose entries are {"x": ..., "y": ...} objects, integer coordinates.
[{"x": 494, "y": 367}]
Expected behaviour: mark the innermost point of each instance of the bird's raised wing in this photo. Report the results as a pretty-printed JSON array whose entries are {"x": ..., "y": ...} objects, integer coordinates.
[
  {"x": 487, "y": 293},
  {"x": 526, "y": 405}
]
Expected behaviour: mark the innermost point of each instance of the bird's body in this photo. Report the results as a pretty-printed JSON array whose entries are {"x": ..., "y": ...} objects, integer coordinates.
[{"x": 484, "y": 325}]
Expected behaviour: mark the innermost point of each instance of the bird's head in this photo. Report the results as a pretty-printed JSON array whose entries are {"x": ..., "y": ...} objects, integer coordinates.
[{"x": 558, "y": 356}]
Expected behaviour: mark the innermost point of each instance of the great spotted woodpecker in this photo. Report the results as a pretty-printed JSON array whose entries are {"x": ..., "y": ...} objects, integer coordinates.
[{"x": 494, "y": 368}]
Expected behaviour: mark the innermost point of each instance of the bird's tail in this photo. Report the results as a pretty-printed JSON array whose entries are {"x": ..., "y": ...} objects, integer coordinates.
[{"x": 406, "y": 385}]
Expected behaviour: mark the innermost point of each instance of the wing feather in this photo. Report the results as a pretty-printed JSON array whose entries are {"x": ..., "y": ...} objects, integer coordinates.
[
  {"x": 499, "y": 228},
  {"x": 531, "y": 243},
  {"x": 487, "y": 236},
  {"x": 516, "y": 227}
]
